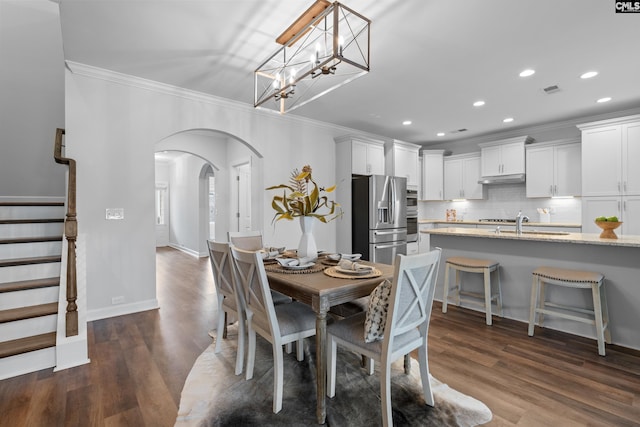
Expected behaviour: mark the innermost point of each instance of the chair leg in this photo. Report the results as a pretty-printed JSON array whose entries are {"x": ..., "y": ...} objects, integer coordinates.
[
  {"x": 224, "y": 328},
  {"x": 385, "y": 393},
  {"x": 445, "y": 297},
  {"x": 597, "y": 310},
  {"x": 221, "y": 325},
  {"x": 241, "y": 339},
  {"x": 423, "y": 362},
  {"x": 278, "y": 377},
  {"x": 605, "y": 314},
  {"x": 407, "y": 364},
  {"x": 457, "y": 288},
  {"x": 332, "y": 349},
  {"x": 251, "y": 351},
  {"x": 369, "y": 365},
  {"x": 533, "y": 305},
  {"x": 300, "y": 349},
  {"x": 288, "y": 347},
  {"x": 487, "y": 295},
  {"x": 499, "y": 300}
]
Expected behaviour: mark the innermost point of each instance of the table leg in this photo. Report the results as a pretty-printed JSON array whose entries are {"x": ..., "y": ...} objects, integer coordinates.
[{"x": 321, "y": 361}]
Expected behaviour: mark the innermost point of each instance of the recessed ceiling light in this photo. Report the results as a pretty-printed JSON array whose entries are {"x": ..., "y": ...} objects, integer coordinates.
[
  {"x": 478, "y": 103},
  {"x": 508, "y": 120},
  {"x": 589, "y": 74},
  {"x": 440, "y": 134},
  {"x": 406, "y": 122},
  {"x": 605, "y": 99},
  {"x": 528, "y": 72}
]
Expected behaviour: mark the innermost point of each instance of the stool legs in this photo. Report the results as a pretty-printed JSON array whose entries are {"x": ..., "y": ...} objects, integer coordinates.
[
  {"x": 445, "y": 298},
  {"x": 597, "y": 308},
  {"x": 487, "y": 295},
  {"x": 533, "y": 305}
]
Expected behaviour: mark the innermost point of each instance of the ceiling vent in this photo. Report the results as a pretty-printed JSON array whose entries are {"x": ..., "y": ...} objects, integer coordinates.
[
  {"x": 551, "y": 89},
  {"x": 458, "y": 130}
]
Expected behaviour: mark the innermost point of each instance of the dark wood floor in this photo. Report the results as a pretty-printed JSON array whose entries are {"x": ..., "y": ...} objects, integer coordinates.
[{"x": 139, "y": 363}]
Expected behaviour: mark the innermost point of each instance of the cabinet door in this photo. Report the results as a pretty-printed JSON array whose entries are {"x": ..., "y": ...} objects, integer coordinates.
[
  {"x": 540, "y": 167},
  {"x": 512, "y": 157},
  {"x": 359, "y": 158},
  {"x": 433, "y": 177},
  {"x": 470, "y": 177},
  {"x": 631, "y": 215},
  {"x": 593, "y": 207},
  {"x": 601, "y": 161},
  {"x": 452, "y": 179},
  {"x": 631, "y": 158},
  {"x": 406, "y": 165},
  {"x": 491, "y": 163},
  {"x": 568, "y": 170},
  {"x": 375, "y": 159}
]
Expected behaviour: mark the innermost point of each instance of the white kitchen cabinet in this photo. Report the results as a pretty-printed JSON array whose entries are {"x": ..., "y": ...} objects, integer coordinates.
[
  {"x": 553, "y": 169},
  {"x": 461, "y": 175},
  {"x": 504, "y": 157},
  {"x": 412, "y": 248},
  {"x": 367, "y": 157},
  {"x": 403, "y": 160},
  {"x": 610, "y": 155},
  {"x": 627, "y": 209},
  {"x": 432, "y": 175}
]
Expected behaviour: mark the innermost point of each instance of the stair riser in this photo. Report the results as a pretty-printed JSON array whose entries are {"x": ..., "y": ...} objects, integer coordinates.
[
  {"x": 28, "y": 272},
  {"x": 14, "y": 231},
  {"x": 29, "y": 250},
  {"x": 27, "y": 362},
  {"x": 18, "y": 299},
  {"x": 28, "y": 327},
  {"x": 19, "y": 212}
]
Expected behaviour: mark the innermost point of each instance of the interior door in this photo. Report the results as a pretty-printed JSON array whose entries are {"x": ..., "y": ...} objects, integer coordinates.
[{"x": 243, "y": 215}]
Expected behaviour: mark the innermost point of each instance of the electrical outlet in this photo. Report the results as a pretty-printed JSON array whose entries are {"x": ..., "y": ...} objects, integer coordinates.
[
  {"x": 117, "y": 300},
  {"x": 114, "y": 213}
]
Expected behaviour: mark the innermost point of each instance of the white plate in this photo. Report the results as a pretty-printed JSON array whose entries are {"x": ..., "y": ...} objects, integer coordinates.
[
  {"x": 299, "y": 267},
  {"x": 353, "y": 272}
]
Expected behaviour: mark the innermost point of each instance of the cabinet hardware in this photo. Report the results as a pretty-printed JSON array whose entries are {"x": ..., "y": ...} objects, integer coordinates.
[
  {"x": 555, "y": 190},
  {"x": 551, "y": 190}
]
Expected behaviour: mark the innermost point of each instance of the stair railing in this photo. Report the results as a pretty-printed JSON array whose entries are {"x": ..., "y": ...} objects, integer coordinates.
[{"x": 71, "y": 233}]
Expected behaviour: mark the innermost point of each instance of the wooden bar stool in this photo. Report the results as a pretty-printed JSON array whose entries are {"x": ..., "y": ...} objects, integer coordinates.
[
  {"x": 576, "y": 279},
  {"x": 473, "y": 265}
]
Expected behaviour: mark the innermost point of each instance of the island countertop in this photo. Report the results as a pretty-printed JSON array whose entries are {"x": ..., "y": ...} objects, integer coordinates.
[
  {"x": 540, "y": 236},
  {"x": 476, "y": 222}
]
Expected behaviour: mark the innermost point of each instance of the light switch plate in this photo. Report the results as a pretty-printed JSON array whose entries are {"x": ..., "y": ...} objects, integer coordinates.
[{"x": 115, "y": 213}]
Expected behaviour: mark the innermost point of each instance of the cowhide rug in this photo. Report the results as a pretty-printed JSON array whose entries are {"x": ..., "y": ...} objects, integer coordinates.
[{"x": 214, "y": 396}]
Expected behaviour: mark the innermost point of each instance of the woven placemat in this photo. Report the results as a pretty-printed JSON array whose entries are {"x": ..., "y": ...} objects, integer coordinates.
[
  {"x": 277, "y": 268},
  {"x": 331, "y": 271}
]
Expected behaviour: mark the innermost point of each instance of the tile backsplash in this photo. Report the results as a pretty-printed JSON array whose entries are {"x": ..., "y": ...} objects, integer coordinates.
[{"x": 504, "y": 201}]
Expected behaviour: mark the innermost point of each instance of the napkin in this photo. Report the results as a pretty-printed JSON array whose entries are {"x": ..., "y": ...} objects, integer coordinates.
[
  {"x": 271, "y": 252},
  {"x": 350, "y": 257},
  {"x": 292, "y": 262},
  {"x": 345, "y": 264}
]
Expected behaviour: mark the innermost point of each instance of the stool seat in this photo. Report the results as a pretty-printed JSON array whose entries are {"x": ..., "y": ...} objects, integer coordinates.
[
  {"x": 473, "y": 265},
  {"x": 569, "y": 276},
  {"x": 471, "y": 262},
  {"x": 576, "y": 279}
]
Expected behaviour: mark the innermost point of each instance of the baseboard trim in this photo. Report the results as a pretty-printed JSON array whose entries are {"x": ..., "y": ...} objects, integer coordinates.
[
  {"x": 188, "y": 251},
  {"x": 122, "y": 309}
]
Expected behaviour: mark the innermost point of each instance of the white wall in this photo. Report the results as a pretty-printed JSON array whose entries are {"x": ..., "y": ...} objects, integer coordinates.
[
  {"x": 114, "y": 126},
  {"x": 31, "y": 98}
]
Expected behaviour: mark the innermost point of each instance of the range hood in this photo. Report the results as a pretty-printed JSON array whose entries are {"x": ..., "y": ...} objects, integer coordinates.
[{"x": 516, "y": 178}]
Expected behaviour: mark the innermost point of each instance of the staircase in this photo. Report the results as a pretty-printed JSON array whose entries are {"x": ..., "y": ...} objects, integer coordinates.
[{"x": 30, "y": 265}]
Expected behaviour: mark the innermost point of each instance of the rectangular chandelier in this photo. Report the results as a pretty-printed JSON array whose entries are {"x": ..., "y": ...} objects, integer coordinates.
[{"x": 325, "y": 48}]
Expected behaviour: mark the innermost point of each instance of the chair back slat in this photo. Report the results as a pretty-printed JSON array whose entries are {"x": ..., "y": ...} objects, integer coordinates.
[{"x": 246, "y": 240}]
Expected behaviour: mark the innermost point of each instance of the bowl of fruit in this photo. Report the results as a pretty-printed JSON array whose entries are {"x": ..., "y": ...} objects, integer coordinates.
[{"x": 608, "y": 224}]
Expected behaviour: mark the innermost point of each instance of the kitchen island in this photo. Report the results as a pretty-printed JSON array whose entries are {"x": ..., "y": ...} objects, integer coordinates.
[{"x": 518, "y": 255}]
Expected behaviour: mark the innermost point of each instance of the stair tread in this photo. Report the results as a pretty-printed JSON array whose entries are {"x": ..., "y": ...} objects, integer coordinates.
[
  {"x": 26, "y": 261},
  {"x": 24, "y": 345},
  {"x": 29, "y": 284},
  {"x": 31, "y": 220},
  {"x": 31, "y": 240},
  {"x": 28, "y": 312},
  {"x": 31, "y": 203}
]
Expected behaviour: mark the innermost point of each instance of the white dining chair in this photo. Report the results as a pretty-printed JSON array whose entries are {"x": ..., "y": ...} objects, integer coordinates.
[
  {"x": 230, "y": 298},
  {"x": 279, "y": 324},
  {"x": 405, "y": 328}
]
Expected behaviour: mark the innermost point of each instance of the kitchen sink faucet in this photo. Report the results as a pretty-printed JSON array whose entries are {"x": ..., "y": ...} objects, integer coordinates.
[{"x": 519, "y": 220}]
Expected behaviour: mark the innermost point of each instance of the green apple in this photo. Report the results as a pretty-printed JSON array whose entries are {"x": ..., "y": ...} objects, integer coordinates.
[
  {"x": 601, "y": 218},
  {"x": 612, "y": 219}
]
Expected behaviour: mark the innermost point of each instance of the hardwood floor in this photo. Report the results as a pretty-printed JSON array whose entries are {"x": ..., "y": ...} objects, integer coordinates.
[{"x": 139, "y": 363}]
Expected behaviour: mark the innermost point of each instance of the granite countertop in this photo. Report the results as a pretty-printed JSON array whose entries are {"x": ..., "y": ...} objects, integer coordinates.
[
  {"x": 524, "y": 224},
  {"x": 578, "y": 238}
]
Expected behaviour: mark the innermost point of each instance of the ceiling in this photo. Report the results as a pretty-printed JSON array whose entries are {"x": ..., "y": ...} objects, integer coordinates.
[{"x": 430, "y": 59}]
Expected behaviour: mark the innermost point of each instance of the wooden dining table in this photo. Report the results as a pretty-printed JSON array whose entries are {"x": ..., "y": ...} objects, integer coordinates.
[{"x": 322, "y": 292}]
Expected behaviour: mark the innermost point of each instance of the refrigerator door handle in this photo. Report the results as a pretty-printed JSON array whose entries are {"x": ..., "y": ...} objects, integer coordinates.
[{"x": 391, "y": 198}]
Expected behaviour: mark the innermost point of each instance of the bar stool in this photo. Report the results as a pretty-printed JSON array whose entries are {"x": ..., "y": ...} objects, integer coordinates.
[
  {"x": 576, "y": 279},
  {"x": 473, "y": 265}
]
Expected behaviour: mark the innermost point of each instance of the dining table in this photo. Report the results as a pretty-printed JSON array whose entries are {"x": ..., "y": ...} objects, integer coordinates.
[{"x": 321, "y": 292}]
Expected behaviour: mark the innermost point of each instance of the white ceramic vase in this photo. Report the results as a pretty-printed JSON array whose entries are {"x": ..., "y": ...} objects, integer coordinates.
[{"x": 307, "y": 246}]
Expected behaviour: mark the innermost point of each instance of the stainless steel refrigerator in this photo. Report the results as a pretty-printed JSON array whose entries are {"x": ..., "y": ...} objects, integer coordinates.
[{"x": 379, "y": 206}]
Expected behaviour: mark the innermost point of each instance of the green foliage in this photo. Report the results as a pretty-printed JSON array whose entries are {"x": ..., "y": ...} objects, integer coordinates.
[{"x": 305, "y": 198}]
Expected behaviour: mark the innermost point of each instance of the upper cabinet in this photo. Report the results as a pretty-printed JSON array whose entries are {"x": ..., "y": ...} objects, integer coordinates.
[
  {"x": 366, "y": 156},
  {"x": 504, "y": 157},
  {"x": 402, "y": 160},
  {"x": 610, "y": 155},
  {"x": 461, "y": 176},
  {"x": 553, "y": 169},
  {"x": 432, "y": 175}
]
